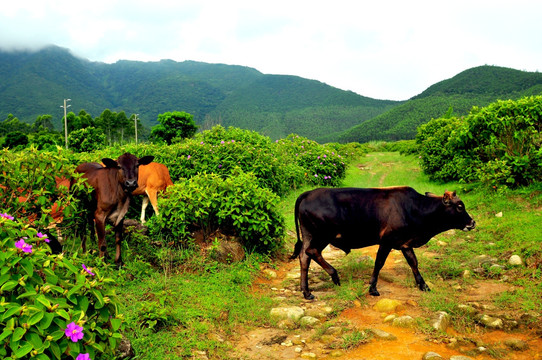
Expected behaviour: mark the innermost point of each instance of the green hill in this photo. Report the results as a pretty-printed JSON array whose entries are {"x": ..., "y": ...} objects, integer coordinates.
[
  {"x": 478, "y": 86},
  {"x": 35, "y": 83}
]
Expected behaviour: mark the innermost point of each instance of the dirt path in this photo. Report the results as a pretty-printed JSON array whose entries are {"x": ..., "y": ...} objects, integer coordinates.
[{"x": 334, "y": 334}]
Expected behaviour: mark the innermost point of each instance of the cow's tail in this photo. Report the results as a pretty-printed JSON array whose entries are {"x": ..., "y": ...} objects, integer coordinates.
[{"x": 299, "y": 243}]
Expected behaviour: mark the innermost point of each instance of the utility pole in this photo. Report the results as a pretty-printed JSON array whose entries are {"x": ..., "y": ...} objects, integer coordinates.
[
  {"x": 135, "y": 126},
  {"x": 66, "y": 121}
]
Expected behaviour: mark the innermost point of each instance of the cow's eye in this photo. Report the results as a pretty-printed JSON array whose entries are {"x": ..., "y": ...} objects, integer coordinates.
[{"x": 460, "y": 207}]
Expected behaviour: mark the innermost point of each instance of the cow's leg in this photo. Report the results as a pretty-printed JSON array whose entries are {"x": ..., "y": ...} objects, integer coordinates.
[
  {"x": 410, "y": 256},
  {"x": 99, "y": 219},
  {"x": 118, "y": 242},
  {"x": 316, "y": 255},
  {"x": 153, "y": 197},
  {"x": 144, "y": 207},
  {"x": 381, "y": 256},
  {"x": 304, "y": 264}
]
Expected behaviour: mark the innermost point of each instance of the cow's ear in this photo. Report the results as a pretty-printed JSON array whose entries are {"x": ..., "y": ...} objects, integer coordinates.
[
  {"x": 110, "y": 163},
  {"x": 145, "y": 160},
  {"x": 431, "y": 194}
]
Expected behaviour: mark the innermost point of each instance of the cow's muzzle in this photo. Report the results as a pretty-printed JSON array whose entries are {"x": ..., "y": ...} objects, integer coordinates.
[
  {"x": 130, "y": 185},
  {"x": 470, "y": 226}
]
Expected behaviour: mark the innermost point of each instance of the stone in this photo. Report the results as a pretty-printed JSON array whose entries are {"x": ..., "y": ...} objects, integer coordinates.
[
  {"x": 228, "y": 252},
  {"x": 308, "y": 355},
  {"x": 336, "y": 353},
  {"x": 515, "y": 260},
  {"x": 270, "y": 274},
  {"x": 125, "y": 349},
  {"x": 387, "y": 305},
  {"x": 460, "y": 357},
  {"x": 309, "y": 321},
  {"x": 516, "y": 344},
  {"x": 287, "y": 324},
  {"x": 441, "y": 321},
  {"x": 381, "y": 334},
  {"x": 467, "y": 274},
  {"x": 294, "y": 313},
  {"x": 490, "y": 322},
  {"x": 390, "y": 318},
  {"x": 499, "y": 214},
  {"x": 467, "y": 309},
  {"x": 334, "y": 330},
  {"x": 431, "y": 356},
  {"x": 404, "y": 321}
]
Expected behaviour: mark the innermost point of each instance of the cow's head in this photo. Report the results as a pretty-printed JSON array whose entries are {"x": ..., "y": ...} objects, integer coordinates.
[
  {"x": 128, "y": 165},
  {"x": 455, "y": 208}
]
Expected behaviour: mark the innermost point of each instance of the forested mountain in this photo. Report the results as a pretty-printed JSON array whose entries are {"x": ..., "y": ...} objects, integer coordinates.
[
  {"x": 35, "y": 83},
  {"x": 478, "y": 86}
]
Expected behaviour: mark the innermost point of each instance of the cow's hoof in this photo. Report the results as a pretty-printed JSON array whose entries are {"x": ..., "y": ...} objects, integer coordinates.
[
  {"x": 424, "y": 287},
  {"x": 336, "y": 279},
  {"x": 373, "y": 292},
  {"x": 308, "y": 296}
]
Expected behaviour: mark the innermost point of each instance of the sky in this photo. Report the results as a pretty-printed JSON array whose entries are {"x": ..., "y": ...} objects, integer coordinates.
[{"x": 385, "y": 49}]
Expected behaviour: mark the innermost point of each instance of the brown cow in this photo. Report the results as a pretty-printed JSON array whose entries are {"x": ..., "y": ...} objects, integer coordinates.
[
  {"x": 153, "y": 178},
  {"x": 113, "y": 185},
  {"x": 393, "y": 218}
]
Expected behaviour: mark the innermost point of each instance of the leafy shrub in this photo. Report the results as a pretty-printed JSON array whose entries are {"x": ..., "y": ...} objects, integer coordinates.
[
  {"x": 499, "y": 145},
  {"x": 235, "y": 205},
  {"x": 44, "y": 296},
  {"x": 15, "y": 140},
  {"x": 87, "y": 139},
  {"x": 174, "y": 126},
  {"x": 322, "y": 165}
]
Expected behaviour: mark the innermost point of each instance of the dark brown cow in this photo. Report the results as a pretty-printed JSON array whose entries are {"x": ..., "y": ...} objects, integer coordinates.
[
  {"x": 113, "y": 184},
  {"x": 394, "y": 218}
]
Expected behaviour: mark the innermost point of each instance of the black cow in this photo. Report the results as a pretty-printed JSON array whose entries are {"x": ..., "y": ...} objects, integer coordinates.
[
  {"x": 113, "y": 185},
  {"x": 394, "y": 218}
]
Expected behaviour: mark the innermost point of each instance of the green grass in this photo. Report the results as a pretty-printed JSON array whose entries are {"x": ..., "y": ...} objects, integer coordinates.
[{"x": 179, "y": 307}]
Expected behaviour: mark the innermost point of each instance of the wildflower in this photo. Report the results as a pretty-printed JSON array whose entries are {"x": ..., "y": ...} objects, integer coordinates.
[
  {"x": 83, "y": 357},
  {"x": 201, "y": 143},
  {"x": 7, "y": 216},
  {"x": 87, "y": 269},
  {"x": 325, "y": 156},
  {"x": 44, "y": 237},
  {"x": 22, "y": 245},
  {"x": 232, "y": 141},
  {"x": 188, "y": 157},
  {"x": 74, "y": 332},
  {"x": 222, "y": 142}
]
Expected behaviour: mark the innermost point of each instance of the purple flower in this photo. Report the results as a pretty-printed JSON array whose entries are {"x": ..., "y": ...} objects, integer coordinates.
[
  {"x": 83, "y": 357},
  {"x": 87, "y": 269},
  {"x": 219, "y": 166},
  {"x": 222, "y": 142},
  {"x": 22, "y": 245},
  {"x": 201, "y": 143},
  {"x": 325, "y": 156},
  {"x": 44, "y": 237},
  {"x": 232, "y": 141},
  {"x": 74, "y": 332},
  {"x": 188, "y": 157},
  {"x": 7, "y": 216}
]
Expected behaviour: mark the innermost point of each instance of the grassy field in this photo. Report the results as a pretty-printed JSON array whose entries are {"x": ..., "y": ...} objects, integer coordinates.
[{"x": 191, "y": 304}]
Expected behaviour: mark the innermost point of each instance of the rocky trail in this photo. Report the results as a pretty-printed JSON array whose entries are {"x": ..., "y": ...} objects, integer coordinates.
[{"x": 391, "y": 326}]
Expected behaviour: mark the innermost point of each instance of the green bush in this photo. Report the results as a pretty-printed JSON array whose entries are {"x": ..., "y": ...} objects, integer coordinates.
[
  {"x": 498, "y": 145},
  {"x": 86, "y": 140},
  {"x": 236, "y": 206},
  {"x": 43, "y": 297}
]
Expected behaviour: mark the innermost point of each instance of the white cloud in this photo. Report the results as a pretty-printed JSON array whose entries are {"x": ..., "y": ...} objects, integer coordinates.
[{"x": 387, "y": 49}]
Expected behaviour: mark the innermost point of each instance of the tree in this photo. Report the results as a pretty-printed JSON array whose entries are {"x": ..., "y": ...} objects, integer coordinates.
[
  {"x": 87, "y": 139},
  {"x": 15, "y": 139},
  {"x": 174, "y": 126},
  {"x": 43, "y": 122}
]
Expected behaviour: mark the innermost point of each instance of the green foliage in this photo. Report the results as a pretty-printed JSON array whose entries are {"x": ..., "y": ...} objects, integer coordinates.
[
  {"x": 41, "y": 294},
  {"x": 174, "y": 126},
  {"x": 86, "y": 140},
  {"x": 499, "y": 145},
  {"x": 235, "y": 205},
  {"x": 15, "y": 140}
]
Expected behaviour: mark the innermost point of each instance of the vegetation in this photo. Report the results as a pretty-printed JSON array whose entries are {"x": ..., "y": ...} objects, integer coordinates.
[
  {"x": 474, "y": 87},
  {"x": 498, "y": 145}
]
